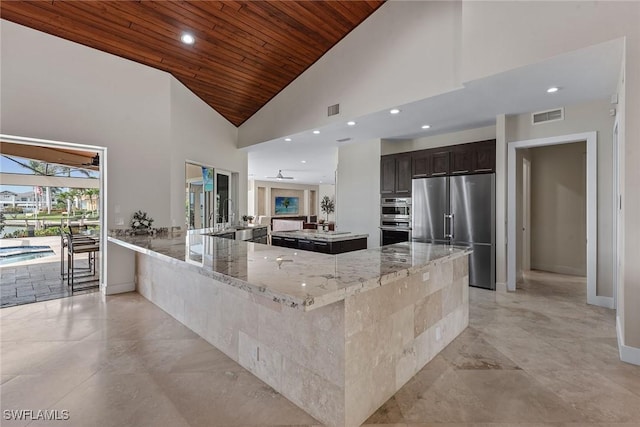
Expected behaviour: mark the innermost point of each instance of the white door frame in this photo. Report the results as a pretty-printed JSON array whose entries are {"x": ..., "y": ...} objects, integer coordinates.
[
  {"x": 617, "y": 210},
  {"x": 526, "y": 214},
  {"x": 592, "y": 208},
  {"x": 102, "y": 151}
]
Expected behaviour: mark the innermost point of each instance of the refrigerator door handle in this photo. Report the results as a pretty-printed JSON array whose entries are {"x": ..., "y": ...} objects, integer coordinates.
[
  {"x": 450, "y": 235},
  {"x": 451, "y": 223}
]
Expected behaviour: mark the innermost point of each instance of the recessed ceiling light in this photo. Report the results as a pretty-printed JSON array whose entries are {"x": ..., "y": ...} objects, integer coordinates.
[
  {"x": 303, "y": 161},
  {"x": 394, "y": 111},
  {"x": 187, "y": 38},
  {"x": 351, "y": 123},
  {"x": 288, "y": 139},
  {"x": 320, "y": 182},
  {"x": 426, "y": 126},
  {"x": 304, "y": 284},
  {"x": 316, "y": 132},
  {"x": 553, "y": 89}
]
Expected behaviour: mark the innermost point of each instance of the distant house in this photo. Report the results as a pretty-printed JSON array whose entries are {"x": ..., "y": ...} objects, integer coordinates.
[{"x": 9, "y": 199}]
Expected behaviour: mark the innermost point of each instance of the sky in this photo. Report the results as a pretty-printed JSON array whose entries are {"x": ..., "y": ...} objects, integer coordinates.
[{"x": 8, "y": 166}]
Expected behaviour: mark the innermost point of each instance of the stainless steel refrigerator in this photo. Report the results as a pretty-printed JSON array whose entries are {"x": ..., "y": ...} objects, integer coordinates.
[{"x": 459, "y": 210}]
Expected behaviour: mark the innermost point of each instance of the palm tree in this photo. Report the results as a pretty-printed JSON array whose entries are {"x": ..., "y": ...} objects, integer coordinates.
[
  {"x": 47, "y": 169},
  {"x": 91, "y": 192},
  {"x": 66, "y": 197}
]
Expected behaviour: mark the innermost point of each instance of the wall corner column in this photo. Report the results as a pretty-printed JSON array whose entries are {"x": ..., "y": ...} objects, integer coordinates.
[{"x": 501, "y": 203}]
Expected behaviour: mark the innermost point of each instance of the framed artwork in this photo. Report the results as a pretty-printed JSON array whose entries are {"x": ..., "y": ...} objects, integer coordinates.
[{"x": 287, "y": 205}]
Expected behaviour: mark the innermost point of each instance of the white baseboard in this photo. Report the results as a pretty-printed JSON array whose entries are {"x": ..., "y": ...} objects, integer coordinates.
[
  {"x": 606, "y": 302},
  {"x": 501, "y": 287},
  {"x": 120, "y": 288},
  {"x": 627, "y": 354},
  {"x": 560, "y": 269}
]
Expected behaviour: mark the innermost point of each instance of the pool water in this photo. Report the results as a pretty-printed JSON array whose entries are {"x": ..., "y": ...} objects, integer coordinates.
[{"x": 13, "y": 254}]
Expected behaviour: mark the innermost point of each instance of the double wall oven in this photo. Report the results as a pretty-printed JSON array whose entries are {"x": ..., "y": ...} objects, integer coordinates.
[{"x": 395, "y": 220}]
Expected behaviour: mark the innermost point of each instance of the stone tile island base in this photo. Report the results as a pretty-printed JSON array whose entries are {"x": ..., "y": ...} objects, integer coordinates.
[{"x": 339, "y": 362}]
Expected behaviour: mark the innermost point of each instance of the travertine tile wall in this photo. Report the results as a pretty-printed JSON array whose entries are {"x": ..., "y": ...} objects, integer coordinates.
[
  {"x": 394, "y": 330},
  {"x": 300, "y": 354},
  {"x": 339, "y": 362}
]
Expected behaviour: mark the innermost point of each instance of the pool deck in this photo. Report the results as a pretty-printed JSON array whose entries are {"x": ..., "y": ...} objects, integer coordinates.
[{"x": 34, "y": 280}]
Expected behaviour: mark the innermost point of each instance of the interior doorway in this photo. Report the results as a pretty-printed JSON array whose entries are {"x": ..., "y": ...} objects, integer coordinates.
[
  {"x": 45, "y": 277},
  {"x": 591, "y": 209},
  {"x": 526, "y": 214}
]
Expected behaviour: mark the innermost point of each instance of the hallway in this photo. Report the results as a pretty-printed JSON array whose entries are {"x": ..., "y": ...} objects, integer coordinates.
[{"x": 537, "y": 357}]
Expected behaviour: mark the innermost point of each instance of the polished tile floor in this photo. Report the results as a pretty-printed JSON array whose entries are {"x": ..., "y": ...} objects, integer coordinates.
[{"x": 537, "y": 357}]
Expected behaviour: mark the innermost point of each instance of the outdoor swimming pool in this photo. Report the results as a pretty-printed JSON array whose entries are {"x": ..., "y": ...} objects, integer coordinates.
[{"x": 13, "y": 254}]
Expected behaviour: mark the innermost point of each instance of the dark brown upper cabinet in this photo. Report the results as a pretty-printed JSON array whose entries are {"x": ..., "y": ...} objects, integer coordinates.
[
  {"x": 484, "y": 156},
  {"x": 395, "y": 174},
  {"x": 387, "y": 174},
  {"x": 440, "y": 159},
  {"x": 397, "y": 170},
  {"x": 403, "y": 174},
  {"x": 461, "y": 156},
  {"x": 421, "y": 164}
]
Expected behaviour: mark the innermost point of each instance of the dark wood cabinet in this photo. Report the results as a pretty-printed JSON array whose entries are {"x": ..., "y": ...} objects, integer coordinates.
[
  {"x": 331, "y": 248},
  {"x": 461, "y": 157},
  {"x": 403, "y": 174},
  {"x": 395, "y": 174},
  {"x": 484, "y": 156},
  {"x": 387, "y": 174},
  {"x": 397, "y": 170},
  {"x": 421, "y": 164},
  {"x": 440, "y": 162}
]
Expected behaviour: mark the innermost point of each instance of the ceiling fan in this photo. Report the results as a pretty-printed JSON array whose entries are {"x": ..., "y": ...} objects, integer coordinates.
[{"x": 280, "y": 176}]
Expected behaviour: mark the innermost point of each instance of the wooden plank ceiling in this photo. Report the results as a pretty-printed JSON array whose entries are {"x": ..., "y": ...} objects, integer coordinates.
[{"x": 244, "y": 54}]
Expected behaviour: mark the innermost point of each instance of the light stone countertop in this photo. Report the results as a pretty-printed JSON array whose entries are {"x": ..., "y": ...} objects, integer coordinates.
[
  {"x": 318, "y": 235},
  {"x": 299, "y": 279}
]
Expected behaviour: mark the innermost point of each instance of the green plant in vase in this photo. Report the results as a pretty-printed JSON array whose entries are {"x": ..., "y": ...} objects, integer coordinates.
[
  {"x": 327, "y": 206},
  {"x": 140, "y": 222}
]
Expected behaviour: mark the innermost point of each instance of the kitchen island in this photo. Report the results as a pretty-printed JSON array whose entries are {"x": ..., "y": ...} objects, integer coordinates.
[
  {"x": 337, "y": 335},
  {"x": 327, "y": 242}
]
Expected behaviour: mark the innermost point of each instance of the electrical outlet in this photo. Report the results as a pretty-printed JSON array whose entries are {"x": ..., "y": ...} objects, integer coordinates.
[
  {"x": 438, "y": 333},
  {"x": 119, "y": 221},
  {"x": 425, "y": 276}
]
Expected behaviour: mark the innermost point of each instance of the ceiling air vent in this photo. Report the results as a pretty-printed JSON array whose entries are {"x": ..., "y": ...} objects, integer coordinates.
[
  {"x": 343, "y": 140},
  {"x": 333, "y": 110},
  {"x": 547, "y": 116}
]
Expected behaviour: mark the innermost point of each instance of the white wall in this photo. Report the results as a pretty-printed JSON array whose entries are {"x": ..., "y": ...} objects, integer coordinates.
[
  {"x": 403, "y": 52},
  {"x": 358, "y": 190},
  {"x": 58, "y": 90},
  {"x": 559, "y": 208},
  {"x": 200, "y": 134},
  {"x": 442, "y": 140},
  {"x": 283, "y": 189},
  {"x": 330, "y": 191},
  {"x": 580, "y": 118},
  {"x": 498, "y": 36}
]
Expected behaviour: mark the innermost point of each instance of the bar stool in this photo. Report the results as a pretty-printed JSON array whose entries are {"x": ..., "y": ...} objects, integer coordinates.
[
  {"x": 64, "y": 231},
  {"x": 76, "y": 246}
]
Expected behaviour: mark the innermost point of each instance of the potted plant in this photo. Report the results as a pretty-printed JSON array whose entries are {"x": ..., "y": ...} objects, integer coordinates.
[
  {"x": 140, "y": 223},
  {"x": 327, "y": 206}
]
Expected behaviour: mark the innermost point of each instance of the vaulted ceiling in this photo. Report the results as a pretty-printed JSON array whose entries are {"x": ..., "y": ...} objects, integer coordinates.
[{"x": 245, "y": 52}]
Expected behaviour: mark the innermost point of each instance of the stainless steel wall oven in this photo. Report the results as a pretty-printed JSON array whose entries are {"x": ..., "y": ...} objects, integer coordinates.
[{"x": 395, "y": 220}]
